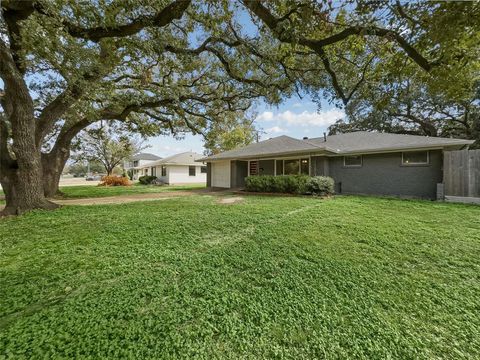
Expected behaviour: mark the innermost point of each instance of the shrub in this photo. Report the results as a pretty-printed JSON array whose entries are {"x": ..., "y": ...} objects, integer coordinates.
[
  {"x": 320, "y": 185},
  {"x": 114, "y": 180},
  {"x": 146, "y": 179},
  {"x": 292, "y": 184},
  {"x": 159, "y": 182}
]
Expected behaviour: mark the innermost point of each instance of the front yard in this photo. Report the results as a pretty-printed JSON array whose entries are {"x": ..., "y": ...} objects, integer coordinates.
[
  {"x": 265, "y": 277},
  {"x": 88, "y": 191}
]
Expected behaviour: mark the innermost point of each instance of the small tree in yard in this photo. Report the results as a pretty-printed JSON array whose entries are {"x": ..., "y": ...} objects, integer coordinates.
[{"x": 108, "y": 145}]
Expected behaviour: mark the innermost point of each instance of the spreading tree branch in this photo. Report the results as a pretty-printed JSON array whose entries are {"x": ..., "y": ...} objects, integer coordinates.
[{"x": 171, "y": 12}]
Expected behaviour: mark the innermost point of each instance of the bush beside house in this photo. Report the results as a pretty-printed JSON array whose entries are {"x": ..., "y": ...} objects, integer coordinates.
[
  {"x": 146, "y": 179},
  {"x": 291, "y": 184},
  {"x": 321, "y": 185}
]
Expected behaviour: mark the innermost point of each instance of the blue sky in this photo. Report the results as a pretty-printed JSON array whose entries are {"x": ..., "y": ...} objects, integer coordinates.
[{"x": 294, "y": 117}]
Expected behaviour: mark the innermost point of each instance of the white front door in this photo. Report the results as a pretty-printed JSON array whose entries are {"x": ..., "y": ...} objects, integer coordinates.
[{"x": 221, "y": 174}]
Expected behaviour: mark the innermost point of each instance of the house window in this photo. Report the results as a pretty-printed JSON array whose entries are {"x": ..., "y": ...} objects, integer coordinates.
[
  {"x": 192, "y": 171},
  {"x": 253, "y": 169},
  {"x": 135, "y": 163},
  {"x": 154, "y": 171},
  {"x": 203, "y": 169},
  {"x": 352, "y": 161},
  {"x": 164, "y": 171},
  {"x": 415, "y": 158},
  {"x": 291, "y": 167},
  {"x": 279, "y": 167},
  {"x": 304, "y": 168}
]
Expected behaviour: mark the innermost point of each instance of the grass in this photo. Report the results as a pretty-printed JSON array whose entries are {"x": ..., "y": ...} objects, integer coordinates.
[
  {"x": 272, "y": 277},
  {"x": 77, "y": 192},
  {"x": 87, "y": 191}
]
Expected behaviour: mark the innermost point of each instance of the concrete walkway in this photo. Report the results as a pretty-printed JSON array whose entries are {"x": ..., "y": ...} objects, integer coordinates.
[{"x": 123, "y": 199}]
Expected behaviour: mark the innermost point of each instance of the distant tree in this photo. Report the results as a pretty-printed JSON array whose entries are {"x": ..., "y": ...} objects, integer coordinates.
[
  {"x": 230, "y": 134},
  {"x": 109, "y": 145},
  {"x": 81, "y": 168},
  {"x": 410, "y": 107}
]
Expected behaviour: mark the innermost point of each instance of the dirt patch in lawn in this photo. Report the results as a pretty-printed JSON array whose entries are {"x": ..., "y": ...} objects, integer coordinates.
[{"x": 230, "y": 200}]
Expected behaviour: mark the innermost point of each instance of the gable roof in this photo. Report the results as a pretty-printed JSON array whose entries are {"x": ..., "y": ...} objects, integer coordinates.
[
  {"x": 145, "y": 156},
  {"x": 185, "y": 158},
  {"x": 355, "y": 142},
  {"x": 280, "y": 144}
]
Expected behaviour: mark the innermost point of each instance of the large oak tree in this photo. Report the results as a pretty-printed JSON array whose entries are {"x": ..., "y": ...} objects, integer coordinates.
[{"x": 157, "y": 66}]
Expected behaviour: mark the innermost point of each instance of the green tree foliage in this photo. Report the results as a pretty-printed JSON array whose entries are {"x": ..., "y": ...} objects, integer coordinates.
[
  {"x": 410, "y": 67},
  {"x": 230, "y": 134},
  {"x": 160, "y": 67}
]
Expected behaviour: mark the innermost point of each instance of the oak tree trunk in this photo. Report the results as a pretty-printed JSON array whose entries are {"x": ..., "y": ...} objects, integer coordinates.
[
  {"x": 21, "y": 175},
  {"x": 23, "y": 186},
  {"x": 53, "y": 164}
]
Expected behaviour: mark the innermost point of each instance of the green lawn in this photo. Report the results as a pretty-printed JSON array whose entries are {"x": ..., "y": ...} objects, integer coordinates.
[
  {"x": 75, "y": 192},
  {"x": 86, "y": 191},
  {"x": 272, "y": 277}
]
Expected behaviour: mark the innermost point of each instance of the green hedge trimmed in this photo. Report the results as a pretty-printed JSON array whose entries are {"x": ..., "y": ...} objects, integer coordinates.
[
  {"x": 290, "y": 184},
  {"x": 146, "y": 179}
]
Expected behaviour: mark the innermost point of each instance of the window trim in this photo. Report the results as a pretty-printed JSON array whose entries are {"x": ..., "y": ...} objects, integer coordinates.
[
  {"x": 194, "y": 170},
  {"x": 203, "y": 169},
  {"x": 352, "y": 166},
  {"x": 416, "y": 163},
  {"x": 163, "y": 167}
]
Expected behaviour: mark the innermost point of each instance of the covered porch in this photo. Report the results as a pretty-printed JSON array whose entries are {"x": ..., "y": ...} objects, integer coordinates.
[{"x": 297, "y": 165}]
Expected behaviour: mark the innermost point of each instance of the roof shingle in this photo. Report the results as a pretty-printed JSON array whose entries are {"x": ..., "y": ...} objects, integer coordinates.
[{"x": 355, "y": 142}]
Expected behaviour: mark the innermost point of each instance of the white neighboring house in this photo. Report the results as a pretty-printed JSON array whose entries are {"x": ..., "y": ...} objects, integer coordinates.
[
  {"x": 139, "y": 160},
  {"x": 176, "y": 169}
]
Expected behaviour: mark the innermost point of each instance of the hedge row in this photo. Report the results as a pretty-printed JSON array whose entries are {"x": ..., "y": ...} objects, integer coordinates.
[{"x": 291, "y": 184}]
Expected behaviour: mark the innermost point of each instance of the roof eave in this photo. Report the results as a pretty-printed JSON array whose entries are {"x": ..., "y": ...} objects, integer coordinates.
[
  {"x": 326, "y": 150},
  {"x": 258, "y": 156},
  {"x": 403, "y": 148}
]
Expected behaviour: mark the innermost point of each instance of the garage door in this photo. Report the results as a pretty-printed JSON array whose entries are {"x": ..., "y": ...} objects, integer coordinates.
[{"x": 221, "y": 174}]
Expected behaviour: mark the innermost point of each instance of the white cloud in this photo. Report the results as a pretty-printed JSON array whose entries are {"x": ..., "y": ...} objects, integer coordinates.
[
  {"x": 275, "y": 129},
  {"x": 265, "y": 116},
  {"x": 305, "y": 118}
]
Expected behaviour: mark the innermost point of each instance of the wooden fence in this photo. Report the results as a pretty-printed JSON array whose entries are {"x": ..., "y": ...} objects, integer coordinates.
[{"x": 461, "y": 173}]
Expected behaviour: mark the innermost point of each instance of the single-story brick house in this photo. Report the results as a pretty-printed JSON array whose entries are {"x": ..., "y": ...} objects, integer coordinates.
[
  {"x": 359, "y": 162},
  {"x": 176, "y": 169}
]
